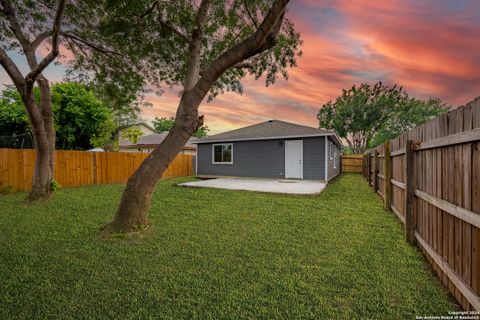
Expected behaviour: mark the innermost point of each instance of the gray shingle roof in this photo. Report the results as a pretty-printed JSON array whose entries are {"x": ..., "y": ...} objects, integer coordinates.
[
  {"x": 153, "y": 140},
  {"x": 272, "y": 129}
]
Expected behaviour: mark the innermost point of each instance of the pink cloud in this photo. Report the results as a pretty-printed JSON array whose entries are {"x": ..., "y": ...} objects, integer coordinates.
[{"x": 429, "y": 47}]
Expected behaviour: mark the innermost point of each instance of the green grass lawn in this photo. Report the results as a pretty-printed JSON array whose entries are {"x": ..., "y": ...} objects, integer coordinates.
[{"x": 214, "y": 254}]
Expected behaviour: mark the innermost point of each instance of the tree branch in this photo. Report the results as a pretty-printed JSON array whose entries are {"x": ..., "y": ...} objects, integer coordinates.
[
  {"x": 243, "y": 65},
  {"x": 162, "y": 22},
  {"x": 11, "y": 69},
  {"x": 263, "y": 39},
  {"x": 174, "y": 30},
  {"x": 32, "y": 75},
  {"x": 239, "y": 66},
  {"x": 250, "y": 14},
  {"x": 40, "y": 38},
  {"x": 93, "y": 46},
  {"x": 149, "y": 10},
  {"x": 17, "y": 31},
  {"x": 72, "y": 42},
  {"x": 193, "y": 67}
]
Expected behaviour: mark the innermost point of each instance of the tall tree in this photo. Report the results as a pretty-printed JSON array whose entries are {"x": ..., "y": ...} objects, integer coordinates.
[
  {"x": 18, "y": 32},
  {"x": 165, "y": 124},
  {"x": 216, "y": 43},
  {"x": 37, "y": 30},
  {"x": 365, "y": 112}
]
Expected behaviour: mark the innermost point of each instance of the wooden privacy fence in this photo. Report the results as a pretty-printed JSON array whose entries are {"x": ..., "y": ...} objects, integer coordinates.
[
  {"x": 430, "y": 178},
  {"x": 81, "y": 168},
  {"x": 352, "y": 163}
]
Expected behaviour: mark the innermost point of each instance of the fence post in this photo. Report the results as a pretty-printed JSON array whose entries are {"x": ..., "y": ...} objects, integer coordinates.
[
  {"x": 364, "y": 164},
  {"x": 94, "y": 167},
  {"x": 369, "y": 170},
  {"x": 341, "y": 163},
  {"x": 387, "y": 172},
  {"x": 375, "y": 171},
  {"x": 409, "y": 192}
]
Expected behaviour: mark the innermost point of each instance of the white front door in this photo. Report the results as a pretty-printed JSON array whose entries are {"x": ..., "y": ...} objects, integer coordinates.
[{"x": 294, "y": 159}]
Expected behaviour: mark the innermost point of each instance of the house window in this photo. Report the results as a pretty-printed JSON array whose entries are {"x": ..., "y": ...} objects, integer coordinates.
[
  {"x": 335, "y": 159},
  {"x": 222, "y": 153},
  {"x": 330, "y": 150}
]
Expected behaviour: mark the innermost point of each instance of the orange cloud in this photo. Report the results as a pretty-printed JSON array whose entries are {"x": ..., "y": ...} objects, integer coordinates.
[{"x": 429, "y": 47}]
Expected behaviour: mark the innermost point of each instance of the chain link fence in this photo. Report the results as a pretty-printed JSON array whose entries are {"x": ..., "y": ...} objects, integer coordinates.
[{"x": 17, "y": 141}]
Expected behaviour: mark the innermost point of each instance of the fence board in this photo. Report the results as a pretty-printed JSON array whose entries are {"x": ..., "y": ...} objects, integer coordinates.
[
  {"x": 80, "y": 168},
  {"x": 446, "y": 204}
]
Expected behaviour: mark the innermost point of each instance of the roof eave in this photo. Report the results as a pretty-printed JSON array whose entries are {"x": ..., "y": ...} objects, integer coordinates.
[
  {"x": 340, "y": 144},
  {"x": 143, "y": 146},
  {"x": 271, "y": 138}
]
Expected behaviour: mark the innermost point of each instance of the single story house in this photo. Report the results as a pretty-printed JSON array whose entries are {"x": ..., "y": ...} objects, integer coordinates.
[
  {"x": 147, "y": 143},
  {"x": 271, "y": 149}
]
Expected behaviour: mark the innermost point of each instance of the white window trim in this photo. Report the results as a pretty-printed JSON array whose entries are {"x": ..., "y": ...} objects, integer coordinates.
[
  {"x": 213, "y": 153},
  {"x": 335, "y": 159},
  {"x": 330, "y": 145}
]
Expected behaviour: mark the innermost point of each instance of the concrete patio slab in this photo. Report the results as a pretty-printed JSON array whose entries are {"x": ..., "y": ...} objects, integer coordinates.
[{"x": 263, "y": 185}]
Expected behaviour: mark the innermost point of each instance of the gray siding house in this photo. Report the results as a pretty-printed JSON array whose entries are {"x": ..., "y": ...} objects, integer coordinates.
[{"x": 271, "y": 149}]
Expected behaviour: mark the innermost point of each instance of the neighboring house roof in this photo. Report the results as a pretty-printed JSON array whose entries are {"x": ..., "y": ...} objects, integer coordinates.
[
  {"x": 145, "y": 125},
  {"x": 272, "y": 129},
  {"x": 138, "y": 124},
  {"x": 153, "y": 140}
]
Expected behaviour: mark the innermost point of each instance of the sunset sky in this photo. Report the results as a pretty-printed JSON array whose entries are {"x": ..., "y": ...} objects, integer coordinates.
[{"x": 430, "y": 47}]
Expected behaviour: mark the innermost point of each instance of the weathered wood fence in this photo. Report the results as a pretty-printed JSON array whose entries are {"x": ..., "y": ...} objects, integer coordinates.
[
  {"x": 352, "y": 163},
  {"x": 430, "y": 178},
  {"x": 81, "y": 168}
]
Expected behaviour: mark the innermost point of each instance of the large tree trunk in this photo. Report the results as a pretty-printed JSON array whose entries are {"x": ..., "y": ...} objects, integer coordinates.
[
  {"x": 43, "y": 172},
  {"x": 132, "y": 212},
  {"x": 48, "y": 120},
  {"x": 41, "y": 123}
]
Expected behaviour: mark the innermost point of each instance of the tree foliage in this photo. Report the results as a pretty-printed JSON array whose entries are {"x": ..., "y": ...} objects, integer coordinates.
[
  {"x": 13, "y": 117},
  {"x": 131, "y": 134},
  {"x": 369, "y": 115},
  {"x": 81, "y": 120},
  {"x": 155, "y": 36},
  {"x": 165, "y": 124},
  {"x": 410, "y": 113}
]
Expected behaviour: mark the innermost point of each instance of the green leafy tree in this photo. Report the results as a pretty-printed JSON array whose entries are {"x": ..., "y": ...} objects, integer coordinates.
[
  {"x": 205, "y": 48},
  {"x": 411, "y": 112},
  {"x": 13, "y": 118},
  {"x": 367, "y": 114},
  {"x": 81, "y": 120},
  {"x": 132, "y": 134},
  {"x": 201, "y": 132},
  {"x": 165, "y": 124}
]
